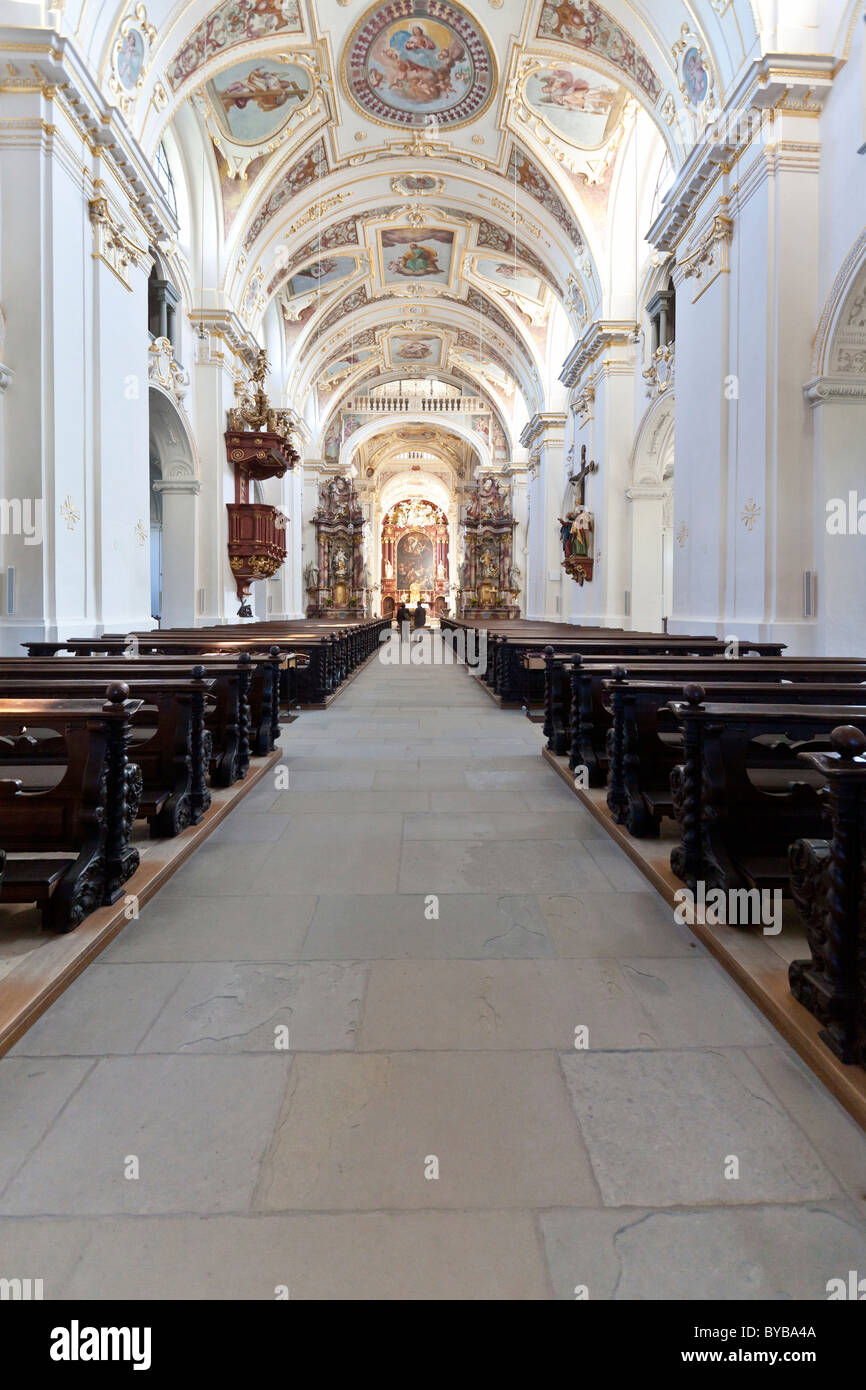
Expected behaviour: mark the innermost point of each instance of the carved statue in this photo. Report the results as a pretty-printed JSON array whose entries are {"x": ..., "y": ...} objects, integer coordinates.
[
  {"x": 575, "y": 529},
  {"x": 311, "y": 577},
  {"x": 389, "y": 570},
  {"x": 254, "y": 410}
]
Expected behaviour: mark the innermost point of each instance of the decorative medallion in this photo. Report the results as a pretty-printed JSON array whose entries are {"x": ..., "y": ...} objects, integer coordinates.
[
  {"x": 419, "y": 63},
  {"x": 130, "y": 58},
  {"x": 415, "y": 185},
  {"x": 695, "y": 76},
  {"x": 694, "y": 72}
]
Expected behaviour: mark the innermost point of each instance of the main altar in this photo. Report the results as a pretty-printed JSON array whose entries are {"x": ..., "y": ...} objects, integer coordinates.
[
  {"x": 338, "y": 582},
  {"x": 415, "y": 557},
  {"x": 488, "y": 585}
]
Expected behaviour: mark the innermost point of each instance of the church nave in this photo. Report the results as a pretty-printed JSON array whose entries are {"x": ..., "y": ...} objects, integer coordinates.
[{"x": 414, "y": 1036}]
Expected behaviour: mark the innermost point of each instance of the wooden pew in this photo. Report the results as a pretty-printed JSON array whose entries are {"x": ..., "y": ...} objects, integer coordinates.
[
  {"x": 173, "y": 756},
  {"x": 735, "y": 833},
  {"x": 321, "y": 658},
  {"x": 580, "y": 725},
  {"x": 543, "y": 661},
  {"x": 228, "y": 719},
  {"x": 87, "y": 816},
  {"x": 828, "y": 882},
  {"x": 644, "y": 746}
]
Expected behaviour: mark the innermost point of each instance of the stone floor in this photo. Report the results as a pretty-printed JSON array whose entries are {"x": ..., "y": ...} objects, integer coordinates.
[{"x": 384, "y": 970}]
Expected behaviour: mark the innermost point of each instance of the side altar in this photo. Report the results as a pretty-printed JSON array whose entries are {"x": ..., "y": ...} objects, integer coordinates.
[
  {"x": 488, "y": 579},
  {"x": 338, "y": 581}
]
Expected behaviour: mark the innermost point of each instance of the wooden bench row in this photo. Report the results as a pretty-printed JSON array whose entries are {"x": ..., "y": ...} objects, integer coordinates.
[
  {"x": 195, "y": 707},
  {"x": 761, "y": 762},
  {"x": 515, "y": 666},
  {"x": 324, "y": 657}
]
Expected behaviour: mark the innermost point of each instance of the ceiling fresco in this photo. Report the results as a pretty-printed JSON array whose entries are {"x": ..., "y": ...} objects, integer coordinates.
[
  {"x": 419, "y": 63},
  {"x": 420, "y": 187}
]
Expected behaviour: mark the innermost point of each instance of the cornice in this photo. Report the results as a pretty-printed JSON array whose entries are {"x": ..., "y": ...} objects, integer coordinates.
[
  {"x": 61, "y": 70},
  {"x": 178, "y": 486},
  {"x": 542, "y": 421},
  {"x": 600, "y": 335},
  {"x": 226, "y": 324},
  {"x": 825, "y": 389},
  {"x": 786, "y": 83}
]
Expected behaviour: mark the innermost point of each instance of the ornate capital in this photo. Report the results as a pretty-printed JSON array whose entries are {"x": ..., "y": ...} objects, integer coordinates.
[
  {"x": 709, "y": 258},
  {"x": 583, "y": 403},
  {"x": 113, "y": 246},
  {"x": 659, "y": 375},
  {"x": 162, "y": 370}
]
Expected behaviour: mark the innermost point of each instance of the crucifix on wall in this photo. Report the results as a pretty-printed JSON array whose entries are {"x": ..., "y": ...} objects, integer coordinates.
[
  {"x": 579, "y": 479},
  {"x": 577, "y": 527}
]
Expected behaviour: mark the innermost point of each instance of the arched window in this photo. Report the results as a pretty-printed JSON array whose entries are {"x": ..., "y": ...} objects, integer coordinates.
[{"x": 166, "y": 182}]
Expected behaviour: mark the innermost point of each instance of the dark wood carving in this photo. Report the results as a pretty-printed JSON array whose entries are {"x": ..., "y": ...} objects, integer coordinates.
[{"x": 829, "y": 885}]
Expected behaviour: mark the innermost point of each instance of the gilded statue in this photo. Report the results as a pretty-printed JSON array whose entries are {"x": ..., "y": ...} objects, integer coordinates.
[{"x": 254, "y": 410}]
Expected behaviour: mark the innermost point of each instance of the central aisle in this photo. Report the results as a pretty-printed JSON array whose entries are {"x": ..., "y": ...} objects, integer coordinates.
[{"x": 435, "y": 920}]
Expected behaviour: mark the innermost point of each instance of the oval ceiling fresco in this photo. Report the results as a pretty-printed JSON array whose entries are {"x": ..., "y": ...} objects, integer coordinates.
[
  {"x": 419, "y": 63},
  {"x": 576, "y": 103},
  {"x": 254, "y": 99}
]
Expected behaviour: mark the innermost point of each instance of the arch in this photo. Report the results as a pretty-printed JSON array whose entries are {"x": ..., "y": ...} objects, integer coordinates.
[
  {"x": 650, "y": 494},
  {"x": 837, "y": 395},
  {"x": 654, "y": 442},
  {"x": 380, "y": 423},
  {"x": 848, "y": 288},
  {"x": 173, "y": 459}
]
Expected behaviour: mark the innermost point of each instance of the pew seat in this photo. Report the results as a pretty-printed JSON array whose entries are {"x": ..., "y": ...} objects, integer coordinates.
[{"x": 68, "y": 847}]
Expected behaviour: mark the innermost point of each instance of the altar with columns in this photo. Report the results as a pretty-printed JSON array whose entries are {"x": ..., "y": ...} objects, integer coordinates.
[
  {"x": 415, "y": 556},
  {"x": 489, "y": 580}
]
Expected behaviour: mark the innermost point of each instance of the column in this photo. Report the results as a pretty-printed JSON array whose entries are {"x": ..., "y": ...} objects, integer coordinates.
[
  {"x": 647, "y": 577},
  {"x": 179, "y": 550},
  {"x": 544, "y": 437}
]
